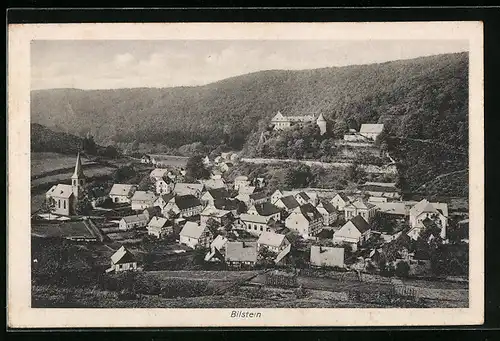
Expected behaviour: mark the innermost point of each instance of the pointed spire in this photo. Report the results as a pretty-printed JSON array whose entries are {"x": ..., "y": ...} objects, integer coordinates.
[
  {"x": 321, "y": 118},
  {"x": 78, "y": 168}
]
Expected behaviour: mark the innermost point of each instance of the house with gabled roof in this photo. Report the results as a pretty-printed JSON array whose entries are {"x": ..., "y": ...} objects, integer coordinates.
[
  {"x": 159, "y": 227},
  {"x": 151, "y": 212},
  {"x": 323, "y": 256},
  {"x": 164, "y": 185},
  {"x": 241, "y": 181},
  {"x": 122, "y": 260},
  {"x": 371, "y": 131},
  {"x": 277, "y": 194},
  {"x": 360, "y": 207},
  {"x": 122, "y": 193},
  {"x": 184, "y": 206},
  {"x": 355, "y": 231},
  {"x": 302, "y": 198},
  {"x": 209, "y": 197},
  {"x": 133, "y": 222},
  {"x": 305, "y": 220},
  {"x": 142, "y": 200},
  {"x": 272, "y": 241},
  {"x": 266, "y": 209},
  {"x": 193, "y": 235},
  {"x": 158, "y": 173},
  {"x": 340, "y": 200},
  {"x": 255, "y": 224},
  {"x": 241, "y": 254},
  {"x": 211, "y": 212},
  {"x": 217, "y": 249},
  {"x": 258, "y": 198},
  {"x": 328, "y": 211},
  {"x": 288, "y": 203},
  {"x": 428, "y": 210},
  {"x": 163, "y": 200},
  {"x": 214, "y": 183}
]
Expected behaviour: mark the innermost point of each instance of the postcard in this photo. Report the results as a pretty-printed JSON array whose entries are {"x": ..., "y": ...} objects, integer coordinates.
[{"x": 245, "y": 174}]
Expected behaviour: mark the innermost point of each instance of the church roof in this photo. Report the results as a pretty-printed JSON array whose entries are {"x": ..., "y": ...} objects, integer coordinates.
[{"x": 78, "y": 173}]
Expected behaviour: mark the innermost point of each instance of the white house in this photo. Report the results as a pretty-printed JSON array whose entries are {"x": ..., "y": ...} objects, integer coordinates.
[
  {"x": 217, "y": 249},
  {"x": 427, "y": 210},
  {"x": 306, "y": 220},
  {"x": 133, "y": 222},
  {"x": 360, "y": 207},
  {"x": 163, "y": 200},
  {"x": 142, "y": 199},
  {"x": 258, "y": 198},
  {"x": 288, "y": 203},
  {"x": 122, "y": 260},
  {"x": 272, "y": 241},
  {"x": 339, "y": 201},
  {"x": 158, "y": 173},
  {"x": 210, "y": 212},
  {"x": 371, "y": 131},
  {"x": 210, "y": 196},
  {"x": 255, "y": 224},
  {"x": 328, "y": 211},
  {"x": 214, "y": 183},
  {"x": 164, "y": 186},
  {"x": 241, "y": 181},
  {"x": 276, "y": 196},
  {"x": 281, "y": 122},
  {"x": 240, "y": 254},
  {"x": 122, "y": 193},
  {"x": 327, "y": 256},
  {"x": 355, "y": 231},
  {"x": 159, "y": 227},
  {"x": 192, "y": 235},
  {"x": 381, "y": 190},
  {"x": 184, "y": 205}
]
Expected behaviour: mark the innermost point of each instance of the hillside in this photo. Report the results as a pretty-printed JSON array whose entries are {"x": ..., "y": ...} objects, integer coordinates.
[{"x": 423, "y": 98}]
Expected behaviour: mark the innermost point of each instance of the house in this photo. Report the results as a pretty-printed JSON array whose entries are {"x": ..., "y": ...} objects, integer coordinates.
[
  {"x": 396, "y": 209},
  {"x": 241, "y": 181},
  {"x": 209, "y": 197},
  {"x": 184, "y": 206},
  {"x": 306, "y": 220},
  {"x": 158, "y": 173},
  {"x": 193, "y": 235},
  {"x": 182, "y": 188},
  {"x": 281, "y": 122},
  {"x": 259, "y": 182},
  {"x": 255, "y": 224},
  {"x": 64, "y": 198},
  {"x": 327, "y": 256},
  {"x": 339, "y": 201},
  {"x": 225, "y": 166},
  {"x": 371, "y": 131},
  {"x": 211, "y": 212},
  {"x": 354, "y": 136},
  {"x": 258, "y": 198},
  {"x": 164, "y": 185},
  {"x": 122, "y": 260},
  {"x": 360, "y": 207},
  {"x": 151, "y": 212},
  {"x": 267, "y": 210},
  {"x": 241, "y": 254},
  {"x": 302, "y": 198},
  {"x": 122, "y": 193},
  {"x": 206, "y": 161},
  {"x": 328, "y": 211},
  {"x": 355, "y": 231},
  {"x": 163, "y": 200},
  {"x": 233, "y": 205},
  {"x": 244, "y": 194},
  {"x": 133, "y": 222},
  {"x": 214, "y": 183},
  {"x": 142, "y": 199},
  {"x": 272, "y": 241},
  {"x": 425, "y": 209},
  {"x": 217, "y": 249},
  {"x": 159, "y": 227},
  {"x": 146, "y": 159},
  {"x": 276, "y": 196},
  {"x": 288, "y": 203},
  {"x": 381, "y": 190}
]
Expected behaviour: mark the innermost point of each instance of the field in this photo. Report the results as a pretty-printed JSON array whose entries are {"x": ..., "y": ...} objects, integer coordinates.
[
  {"x": 95, "y": 171},
  {"x": 66, "y": 230},
  {"x": 48, "y": 162}
]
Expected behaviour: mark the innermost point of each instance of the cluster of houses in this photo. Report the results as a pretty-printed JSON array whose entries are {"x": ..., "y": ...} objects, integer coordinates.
[{"x": 234, "y": 221}]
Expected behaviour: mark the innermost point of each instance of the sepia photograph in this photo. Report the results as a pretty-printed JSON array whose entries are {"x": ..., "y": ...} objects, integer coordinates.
[{"x": 252, "y": 172}]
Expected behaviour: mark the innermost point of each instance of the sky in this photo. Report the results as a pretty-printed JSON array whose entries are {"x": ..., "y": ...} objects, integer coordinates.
[{"x": 98, "y": 64}]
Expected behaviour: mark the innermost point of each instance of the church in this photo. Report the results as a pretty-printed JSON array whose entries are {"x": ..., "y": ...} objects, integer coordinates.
[{"x": 65, "y": 197}]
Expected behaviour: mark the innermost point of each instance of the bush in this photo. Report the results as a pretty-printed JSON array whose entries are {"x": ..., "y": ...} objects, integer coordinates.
[
  {"x": 402, "y": 269},
  {"x": 387, "y": 270},
  {"x": 172, "y": 288}
]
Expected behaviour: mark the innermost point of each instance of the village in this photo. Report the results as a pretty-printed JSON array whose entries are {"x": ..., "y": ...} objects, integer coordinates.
[{"x": 244, "y": 225}]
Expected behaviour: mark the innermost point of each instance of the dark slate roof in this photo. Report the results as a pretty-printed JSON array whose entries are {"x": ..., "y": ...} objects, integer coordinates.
[
  {"x": 219, "y": 193},
  {"x": 167, "y": 197},
  {"x": 153, "y": 211},
  {"x": 344, "y": 196},
  {"x": 360, "y": 223},
  {"x": 290, "y": 202},
  {"x": 258, "y": 195},
  {"x": 266, "y": 209},
  {"x": 304, "y": 196},
  {"x": 226, "y": 204},
  {"x": 310, "y": 212},
  {"x": 328, "y": 206},
  {"x": 187, "y": 201}
]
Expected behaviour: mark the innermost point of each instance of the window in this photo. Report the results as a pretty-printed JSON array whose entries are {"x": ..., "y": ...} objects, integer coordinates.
[
  {"x": 59, "y": 203},
  {"x": 261, "y": 228},
  {"x": 81, "y": 182},
  {"x": 64, "y": 204},
  {"x": 74, "y": 182}
]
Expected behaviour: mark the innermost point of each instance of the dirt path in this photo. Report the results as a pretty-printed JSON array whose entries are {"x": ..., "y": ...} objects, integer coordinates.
[{"x": 441, "y": 176}]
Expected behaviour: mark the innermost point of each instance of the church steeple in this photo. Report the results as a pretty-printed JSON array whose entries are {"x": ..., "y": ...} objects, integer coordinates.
[
  {"x": 78, "y": 178},
  {"x": 321, "y": 122}
]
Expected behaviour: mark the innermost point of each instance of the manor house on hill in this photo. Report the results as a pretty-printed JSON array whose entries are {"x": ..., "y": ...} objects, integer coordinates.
[{"x": 281, "y": 122}]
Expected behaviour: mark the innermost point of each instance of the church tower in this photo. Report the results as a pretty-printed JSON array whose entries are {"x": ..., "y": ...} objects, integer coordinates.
[
  {"x": 321, "y": 122},
  {"x": 78, "y": 178}
]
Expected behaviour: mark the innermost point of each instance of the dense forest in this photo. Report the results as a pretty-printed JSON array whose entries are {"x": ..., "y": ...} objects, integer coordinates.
[{"x": 419, "y": 100}]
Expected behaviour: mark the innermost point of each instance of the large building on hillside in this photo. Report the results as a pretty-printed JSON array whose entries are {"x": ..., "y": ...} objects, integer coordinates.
[
  {"x": 65, "y": 197},
  {"x": 281, "y": 122}
]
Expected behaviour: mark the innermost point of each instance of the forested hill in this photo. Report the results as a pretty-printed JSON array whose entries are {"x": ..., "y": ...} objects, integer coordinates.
[{"x": 421, "y": 98}]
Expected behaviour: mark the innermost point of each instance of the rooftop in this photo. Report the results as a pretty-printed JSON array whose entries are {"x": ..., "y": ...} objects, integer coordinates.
[
  {"x": 271, "y": 239},
  {"x": 241, "y": 251}
]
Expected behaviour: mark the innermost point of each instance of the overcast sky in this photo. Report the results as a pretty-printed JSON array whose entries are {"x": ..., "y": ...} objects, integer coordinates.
[{"x": 126, "y": 64}]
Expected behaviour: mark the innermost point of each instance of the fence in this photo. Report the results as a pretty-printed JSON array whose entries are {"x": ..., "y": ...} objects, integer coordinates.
[{"x": 281, "y": 279}]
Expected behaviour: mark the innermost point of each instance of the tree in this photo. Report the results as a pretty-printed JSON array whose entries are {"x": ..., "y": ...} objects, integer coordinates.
[
  {"x": 83, "y": 205},
  {"x": 402, "y": 269},
  {"x": 147, "y": 184},
  {"x": 340, "y": 128},
  {"x": 195, "y": 169},
  {"x": 199, "y": 255},
  {"x": 124, "y": 173},
  {"x": 298, "y": 176},
  {"x": 49, "y": 205},
  {"x": 265, "y": 257}
]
